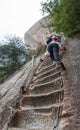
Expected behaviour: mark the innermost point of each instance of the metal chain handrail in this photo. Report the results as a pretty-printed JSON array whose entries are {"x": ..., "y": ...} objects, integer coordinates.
[{"x": 55, "y": 127}]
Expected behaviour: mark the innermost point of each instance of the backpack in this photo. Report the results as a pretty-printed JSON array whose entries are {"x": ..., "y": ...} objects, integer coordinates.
[{"x": 48, "y": 39}]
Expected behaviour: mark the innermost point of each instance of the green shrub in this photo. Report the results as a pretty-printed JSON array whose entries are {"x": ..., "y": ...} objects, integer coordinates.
[
  {"x": 39, "y": 50},
  {"x": 65, "y": 16}
]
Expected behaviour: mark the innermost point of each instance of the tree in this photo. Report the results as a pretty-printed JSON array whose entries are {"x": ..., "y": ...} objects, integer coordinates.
[
  {"x": 13, "y": 52},
  {"x": 64, "y": 14}
]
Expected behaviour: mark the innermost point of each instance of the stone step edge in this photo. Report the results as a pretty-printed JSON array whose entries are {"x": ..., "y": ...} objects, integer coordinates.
[
  {"x": 39, "y": 75},
  {"x": 44, "y": 114},
  {"x": 55, "y": 80},
  {"x": 43, "y": 108},
  {"x": 43, "y": 94},
  {"x": 13, "y": 128},
  {"x": 47, "y": 77},
  {"x": 46, "y": 67}
]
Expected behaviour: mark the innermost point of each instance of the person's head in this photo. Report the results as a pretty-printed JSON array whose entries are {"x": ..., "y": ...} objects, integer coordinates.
[
  {"x": 57, "y": 37},
  {"x": 54, "y": 37}
]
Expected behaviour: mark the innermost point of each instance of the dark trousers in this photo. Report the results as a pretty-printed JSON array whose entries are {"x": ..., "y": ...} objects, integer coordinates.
[{"x": 53, "y": 49}]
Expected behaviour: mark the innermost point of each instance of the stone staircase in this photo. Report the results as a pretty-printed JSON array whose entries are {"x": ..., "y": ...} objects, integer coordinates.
[{"x": 41, "y": 107}]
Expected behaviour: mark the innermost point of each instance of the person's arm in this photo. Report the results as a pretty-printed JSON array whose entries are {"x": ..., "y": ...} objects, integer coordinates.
[
  {"x": 60, "y": 46},
  {"x": 47, "y": 54}
]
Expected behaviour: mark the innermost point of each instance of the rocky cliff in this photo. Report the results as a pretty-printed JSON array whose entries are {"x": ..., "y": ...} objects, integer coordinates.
[
  {"x": 58, "y": 108},
  {"x": 37, "y": 33},
  {"x": 10, "y": 90},
  {"x": 69, "y": 118}
]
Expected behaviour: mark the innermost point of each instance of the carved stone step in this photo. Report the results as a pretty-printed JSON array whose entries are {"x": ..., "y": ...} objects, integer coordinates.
[
  {"x": 47, "y": 87},
  {"x": 49, "y": 72},
  {"x": 48, "y": 78},
  {"x": 47, "y": 62},
  {"x": 37, "y": 101},
  {"x": 42, "y": 107},
  {"x": 30, "y": 129},
  {"x": 44, "y": 94},
  {"x": 52, "y": 110},
  {"x": 46, "y": 111},
  {"x": 17, "y": 128},
  {"x": 30, "y": 120},
  {"x": 46, "y": 68}
]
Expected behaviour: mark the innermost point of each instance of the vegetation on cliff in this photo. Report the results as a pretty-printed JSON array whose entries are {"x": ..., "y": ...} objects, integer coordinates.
[
  {"x": 14, "y": 53},
  {"x": 64, "y": 14},
  {"x": 38, "y": 51}
]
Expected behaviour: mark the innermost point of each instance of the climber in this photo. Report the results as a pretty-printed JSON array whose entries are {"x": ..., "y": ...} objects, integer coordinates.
[{"x": 53, "y": 47}]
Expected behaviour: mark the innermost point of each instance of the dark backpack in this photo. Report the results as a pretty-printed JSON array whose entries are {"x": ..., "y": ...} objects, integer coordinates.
[{"x": 48, "y": 39}]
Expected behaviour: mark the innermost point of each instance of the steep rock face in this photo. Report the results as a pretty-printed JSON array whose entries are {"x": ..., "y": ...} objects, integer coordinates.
[
  {"x": 70, "y": 119},
  {"x": 10, "y": 89},
  {"x": 30, "y": 41},
  {"x": 38, "y": 32}
]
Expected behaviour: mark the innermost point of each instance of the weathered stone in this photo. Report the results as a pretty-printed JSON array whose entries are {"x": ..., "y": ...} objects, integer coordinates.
[
  {"x": 37, "y": 33},
  {"x": 10, "y": 89},
  {"x": 71, "y": 102}
]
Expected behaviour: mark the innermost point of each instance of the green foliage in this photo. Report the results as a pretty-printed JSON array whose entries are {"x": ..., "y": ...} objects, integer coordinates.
[
  {"x": 39, "y": 50},
  {"x": 13, "y": 54},
  {"x": 9, "y": 53},
  {"x": 3, "y": 74},
  {"x": 65, "y": 16}
]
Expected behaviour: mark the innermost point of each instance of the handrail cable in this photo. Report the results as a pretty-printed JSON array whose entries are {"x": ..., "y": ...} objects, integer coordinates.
[{"x": 55, "y": 127}]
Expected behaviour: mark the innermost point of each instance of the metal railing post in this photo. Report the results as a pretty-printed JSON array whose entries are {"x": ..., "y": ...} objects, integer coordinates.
[{"x": 33, "y": 57}]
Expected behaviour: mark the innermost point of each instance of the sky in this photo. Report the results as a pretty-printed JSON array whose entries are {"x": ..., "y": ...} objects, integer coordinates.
[{"x": 17, "y": 16}]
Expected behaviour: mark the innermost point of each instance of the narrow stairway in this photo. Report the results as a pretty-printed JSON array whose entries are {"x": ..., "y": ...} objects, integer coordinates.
[{"x": 41, "y": 107}]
